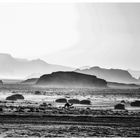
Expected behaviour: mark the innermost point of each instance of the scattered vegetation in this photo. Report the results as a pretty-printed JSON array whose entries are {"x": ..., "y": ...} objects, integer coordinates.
[
  {"x": 37, "y": 92},
  {"x": 74, "y": 101},
  {"x": 119, "y": 106},
  {"x": 61, "y": 100},
  {"x": 135, "y": 103}
]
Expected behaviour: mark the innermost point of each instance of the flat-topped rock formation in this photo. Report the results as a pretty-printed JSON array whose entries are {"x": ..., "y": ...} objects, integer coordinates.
[
  {"x": 70, "y": 79},
  {"x": 15, "y": 97}
]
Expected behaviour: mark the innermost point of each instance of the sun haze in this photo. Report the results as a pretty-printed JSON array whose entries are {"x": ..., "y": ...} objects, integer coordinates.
[{"x": 72, "y": 34}]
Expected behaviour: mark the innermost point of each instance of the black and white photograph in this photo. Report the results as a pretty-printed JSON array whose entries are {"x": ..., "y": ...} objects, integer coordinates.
[{"x": 69, "y": 69}]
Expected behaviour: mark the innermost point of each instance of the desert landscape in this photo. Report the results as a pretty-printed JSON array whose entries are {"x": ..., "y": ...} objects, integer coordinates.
[
  {"x": 40, "y": 111},
  {"x": 69, "y": 69}
]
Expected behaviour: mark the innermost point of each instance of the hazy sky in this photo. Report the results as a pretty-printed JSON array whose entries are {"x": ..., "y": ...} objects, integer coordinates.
[{"x": 82, "y": 34}]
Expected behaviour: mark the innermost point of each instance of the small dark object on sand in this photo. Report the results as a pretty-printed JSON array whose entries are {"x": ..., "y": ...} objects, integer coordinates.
[
  {"x": 43, "y": 105},
  {"x": 15, "y": 97},
  {"x": 135, "y": 103},
  {"x": 86, "y": 102},
  {"x": 14, "y": 91},
  {"x": 67, "y": 105},
  {"x": 119, "y": 106},
  {"x": 49, "y": 104},
  {"x": 1, "y": 109},
  {"x": 37, "y": 92},
  {"x": 61, "y": 100},
  {"x": 88, "y": 108},
  {"x": 123, "y": 101},
  {"x": 74, "y": 101}
]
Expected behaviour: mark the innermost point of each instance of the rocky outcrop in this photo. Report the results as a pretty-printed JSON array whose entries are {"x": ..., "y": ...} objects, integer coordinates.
[
  {"x": 61, "y": 100},
  {"x": 119, "y": 106},
  {"x": 135, "y": 103},
  {"x": 37, "y": 92},
  {"x": 15, "y": 97},
  {"x": 74, "y": 101},
  {"x": 86, "y": 102},
  {"x": 70, "y": 79}
]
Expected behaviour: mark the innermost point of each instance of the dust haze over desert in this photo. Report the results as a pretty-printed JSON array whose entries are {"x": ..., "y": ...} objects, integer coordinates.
[{"x": 69, "y": 69}]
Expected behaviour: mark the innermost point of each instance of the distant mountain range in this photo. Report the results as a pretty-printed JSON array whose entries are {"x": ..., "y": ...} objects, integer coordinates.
[
  {"x": 15, "y": 68},
  {"x": 74, "y": 80},
  {"x": 11, "y": 67},
  {"x": 110, "y": 75}
]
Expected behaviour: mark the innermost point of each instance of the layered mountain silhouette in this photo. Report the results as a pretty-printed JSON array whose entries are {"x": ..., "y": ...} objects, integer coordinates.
[
  {"x": 111, "y": 75},
  {"x": 15, "y": 68},
  {"x": 70, "y": 79},
  {"x": 11, "y": 67}
]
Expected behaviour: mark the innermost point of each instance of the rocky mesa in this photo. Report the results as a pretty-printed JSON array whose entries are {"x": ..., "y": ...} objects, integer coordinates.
[{"x": 70, "y": 79}]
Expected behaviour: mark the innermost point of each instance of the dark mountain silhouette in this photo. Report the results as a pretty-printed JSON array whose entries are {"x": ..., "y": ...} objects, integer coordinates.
[
  {"x": 11, "y": 67},
  {"x": 109, "y": 84},
  {"x": 70, "y": 79},
  {"x": 111, "y": 75}
]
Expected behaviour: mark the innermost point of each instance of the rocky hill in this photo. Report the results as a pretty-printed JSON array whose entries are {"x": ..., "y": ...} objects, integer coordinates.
[{"x": 70, "y": 79}]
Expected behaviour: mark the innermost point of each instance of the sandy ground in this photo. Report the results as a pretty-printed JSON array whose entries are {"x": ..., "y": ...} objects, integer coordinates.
[
  {"x": 69, "y": 126},
  {"x": 100, "y": 98},
  {"x": 22, "y": 130}
]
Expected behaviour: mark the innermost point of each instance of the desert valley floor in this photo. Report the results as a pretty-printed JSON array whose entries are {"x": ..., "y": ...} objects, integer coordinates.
[{"x": 104, "y": 120}]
